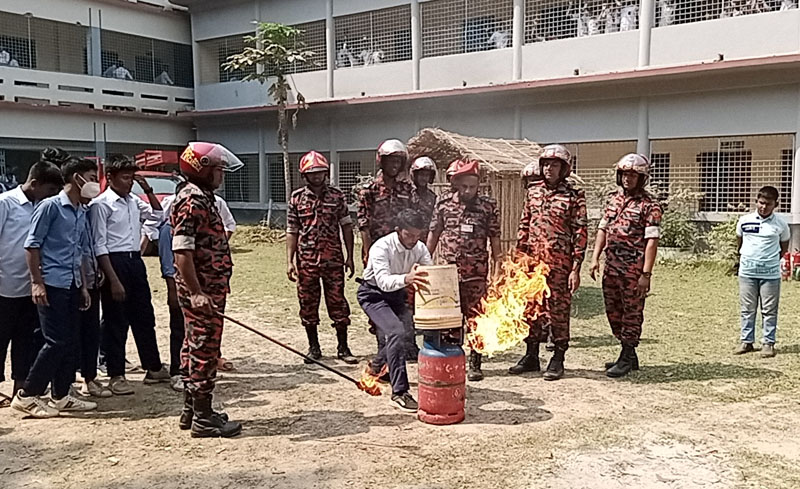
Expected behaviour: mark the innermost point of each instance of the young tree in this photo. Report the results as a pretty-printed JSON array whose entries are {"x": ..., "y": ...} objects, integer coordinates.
[{"x": 275, "y": 51}]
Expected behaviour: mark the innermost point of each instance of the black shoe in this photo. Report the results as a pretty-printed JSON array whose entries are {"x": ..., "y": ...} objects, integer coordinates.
[
  {"x": 555, "y": 369},
  {"x": 635, "y": 361},
  {"x": 405, "y": 402},
  {"x": 625, "y": 363},
  {"x": 206, "y": 424},
  {"x": 475, "y": 374},
  {"x": 314, "y": 351},
  {"x": 185, "y": 421},
  {"x": 529, "y": 362},
  {"x": 343, "y": 352}
]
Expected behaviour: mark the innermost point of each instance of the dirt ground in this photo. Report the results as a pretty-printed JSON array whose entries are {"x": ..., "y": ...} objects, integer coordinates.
[{"x": 694, "y": 417}]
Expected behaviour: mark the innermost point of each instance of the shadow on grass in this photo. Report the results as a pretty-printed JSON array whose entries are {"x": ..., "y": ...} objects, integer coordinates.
[
  {"x": 320, "y": 425},
  {"x": 240, "y": 251},
  {"x": 5, "y": 431},
  {"x": 661, "y": 374},
  {"x": 588, "y": 303},
  {"x": 499, "y": 407},
  {"x": 788, "y": 349},
  {"x": 602, "y": 341}
]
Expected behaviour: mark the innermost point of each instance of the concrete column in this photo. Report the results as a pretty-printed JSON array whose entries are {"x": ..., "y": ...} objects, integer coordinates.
[
  {"x": 330, "y": 45},
  {"x": 646, "y": 17},
  {"x": 260, "y": 68},
  {"x": 795, "y": 207},
  {"x": 93, "y": 44},
  {"x": 518, "y": 38},
  {"x": 643, "y": 133},
  {"x": 195, "y": 59},
  {"x": 416, "y": 42},
  {"x": 334, "y": 154},
  {"x": 263, "y": 171},
  {"x": 99, "y": 130},
  {"x": 517, "y": 123}
]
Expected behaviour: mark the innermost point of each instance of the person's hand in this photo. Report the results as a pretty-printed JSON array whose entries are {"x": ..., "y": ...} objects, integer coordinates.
[
  {"x": 594, "y": 269},
  {"x": 364, "y": 256},
  {"x": 574, "y": 281},
  {"x": 203, "y": 303},
  {"x": 349, "y": 265},
  {"x": 172, "y": 298},
  {"x": 101, "y": 277},
  {"x": 146, "y": 188},
  {"x": 643, "y": 286},
  {"x": 86, "y": 299},
  {"x": 417, "y": 278},
  {"x": 117, "y": 291},
  {"x": 291, "y": 271},
  {"x": 39, "y": 295}
]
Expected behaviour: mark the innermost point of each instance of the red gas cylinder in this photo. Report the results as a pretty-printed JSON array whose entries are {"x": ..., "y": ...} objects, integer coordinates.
[{"x": 442, "y": 382}]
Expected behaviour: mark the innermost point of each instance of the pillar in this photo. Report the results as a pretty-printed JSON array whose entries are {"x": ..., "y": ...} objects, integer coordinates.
[
  {"x": 330, "y": 46},
  {"x": 643, "y": 132},
  {"x": 518, "y": 38},
  {"x": 416, "y": 43},
  {"x": 263, "y": 170},
  {"x": 646, "y": 17}
]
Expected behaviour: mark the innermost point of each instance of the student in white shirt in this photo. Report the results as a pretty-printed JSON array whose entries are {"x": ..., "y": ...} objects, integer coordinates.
[
  {"x": 116, "y": 220},
  {"x": 392, "y": 265},
  {"x": 19, "y": 318},
  {"x": 163, "y": 78},
  {"x": 122, "y": 73}
]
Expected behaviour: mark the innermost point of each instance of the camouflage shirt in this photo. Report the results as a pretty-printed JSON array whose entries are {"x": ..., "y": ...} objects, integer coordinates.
[
  {"x": 378, "y": 205},
  {"x": 316, "y": 220},
  {"x": 629, "y": 222},
  {"x": 197, "y": 226},
  {"x": 466, "y": 229},
  {"x": 553, "y": 225},
  {"x": 423, "y": 200}
]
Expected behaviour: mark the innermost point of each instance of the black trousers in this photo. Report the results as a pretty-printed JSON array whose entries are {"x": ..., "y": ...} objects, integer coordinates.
[
  {"x": 89, "y": 338},
  {"x": 177, "y": 332},
  {"x": 19, "y": 324},
  {"x": 136, "y": 311}
]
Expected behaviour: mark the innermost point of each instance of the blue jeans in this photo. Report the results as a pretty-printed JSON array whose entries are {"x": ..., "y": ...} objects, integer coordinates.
[
  {"x": 389, "y": 311},
  {"x": 752, "y": 293}
]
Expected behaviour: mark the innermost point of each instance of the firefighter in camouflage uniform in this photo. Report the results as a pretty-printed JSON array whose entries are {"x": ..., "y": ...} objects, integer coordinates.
[
  {"x": 423, "y": 200},
  {"x": 204, "y": 267},
  {"x": 628, "y": 232},
  {"x": 315, "y": 216},
  {"x": 552, "y": 229},
  {"x": 463, "y": 223}
]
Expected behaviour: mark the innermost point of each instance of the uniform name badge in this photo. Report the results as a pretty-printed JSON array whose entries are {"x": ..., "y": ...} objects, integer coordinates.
[{"x": 466, "y": 228}]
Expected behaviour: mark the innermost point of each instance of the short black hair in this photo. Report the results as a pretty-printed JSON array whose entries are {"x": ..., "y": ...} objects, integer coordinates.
[
  {"x": 46, "y": 172},
  {"x": 116, "y": 163},
  {"x": 411, "y": 219},
  {"x": 768, "y": 192},
  {"x": 76, "y": 165},
  {"x": 56, "y": 156}
]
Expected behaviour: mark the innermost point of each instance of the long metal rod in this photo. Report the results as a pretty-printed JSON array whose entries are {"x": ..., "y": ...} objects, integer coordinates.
[{"x": 283, "y": 345}]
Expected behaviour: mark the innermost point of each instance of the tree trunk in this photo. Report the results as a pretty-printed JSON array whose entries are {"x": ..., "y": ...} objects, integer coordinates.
[{"x": 283, "y": 133}]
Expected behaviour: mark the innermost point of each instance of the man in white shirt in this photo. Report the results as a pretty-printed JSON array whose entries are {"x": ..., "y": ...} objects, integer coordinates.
[
  {"x": 116, "y": 218},
  {"x": 122, "y": 73},
  {"x": 19, "y": 318},
  {"x": 163, "y": 78},
  {"x": 391, "y": 267}
]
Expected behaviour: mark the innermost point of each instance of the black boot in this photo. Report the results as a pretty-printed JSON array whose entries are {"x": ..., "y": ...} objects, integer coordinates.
[
  {"x": 555, "y": 369},
  {"x": 187, "y": 413},
  {"x": 635, "y": 360},
  {"x": 475, "y": 374},
  {"x": 529, "y": 362},
  {"x": 314, "y": 351},
  {"x": 625, "y": 363},
  {"x": 343, "y": 351},
  {"x": 206, "y": 424}
]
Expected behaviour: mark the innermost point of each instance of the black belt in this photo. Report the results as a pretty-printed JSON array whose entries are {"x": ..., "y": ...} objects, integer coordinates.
[{"x": 127, "y": 254}]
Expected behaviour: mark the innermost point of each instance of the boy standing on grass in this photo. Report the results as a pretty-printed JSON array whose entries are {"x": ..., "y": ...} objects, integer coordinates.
[{"x": 763, "y": 238}]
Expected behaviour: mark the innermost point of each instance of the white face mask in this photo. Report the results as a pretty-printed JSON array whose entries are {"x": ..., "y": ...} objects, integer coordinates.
[{"x": 89, "y": 190}]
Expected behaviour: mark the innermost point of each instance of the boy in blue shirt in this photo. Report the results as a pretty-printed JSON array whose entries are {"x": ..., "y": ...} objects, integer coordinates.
[{"x": 763, "y": 239}]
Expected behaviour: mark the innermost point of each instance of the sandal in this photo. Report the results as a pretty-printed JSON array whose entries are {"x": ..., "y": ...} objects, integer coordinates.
[{"x": 224, "y": 365}]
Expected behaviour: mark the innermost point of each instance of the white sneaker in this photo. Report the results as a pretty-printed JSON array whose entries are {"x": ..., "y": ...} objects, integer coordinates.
[
  {"x": 69, "y": 403},
  {"x": 33, "y": 406},
  {"x": 94, "y": 388},
  {"x": 120, "y": 387},
  {"x": 177, "y": 383}
]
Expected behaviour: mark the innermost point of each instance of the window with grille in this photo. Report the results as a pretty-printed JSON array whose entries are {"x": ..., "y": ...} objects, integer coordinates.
[
  {"x": 547, "y": 20},
  {"x": 463, "y": 26},
  {"x": 311, "y": 38},
  {"x": 214, "y": 52},
  {"x": 30, "y": 42},
  {"x": 375, "y": 37},
  {"x": 672, "y": 12},
  {"x": 243, "y": 185},
  {"x": 128, "y": 57},
  {"x": 726, "y": 177},
  {"x": 785, "y": 187},
  {"x": 348, "y": 171},
  {"x": 659, "y": 173}
]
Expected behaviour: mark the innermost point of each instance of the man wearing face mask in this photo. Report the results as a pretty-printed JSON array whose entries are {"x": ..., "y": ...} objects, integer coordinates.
[
  {"x": 315, "y": 216},
  {"x": 204, "y": 265},
  {"x": 463, "y": 223},
  {"x": 55, "y": 247},
  {"x": 391, "y": 267},
  {"x": 552, "y": 229},
  {"x": 116, "y": 218},
  {"x": 628, "y": 232}
]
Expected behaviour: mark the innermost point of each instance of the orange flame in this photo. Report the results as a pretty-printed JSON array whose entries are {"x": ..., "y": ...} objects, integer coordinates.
[
  {"x": 515, "y": 296},
  {"x": 369, "y": 381}
]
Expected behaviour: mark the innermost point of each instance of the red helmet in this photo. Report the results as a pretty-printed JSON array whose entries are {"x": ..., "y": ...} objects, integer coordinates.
[
  {"x": 198, "y": 159},
  {"x": 466, "y": 168},
  {"x": 392, "y": 147},
  {"x": 312, "y": 162},
  {"x": 451, "y": 170}
]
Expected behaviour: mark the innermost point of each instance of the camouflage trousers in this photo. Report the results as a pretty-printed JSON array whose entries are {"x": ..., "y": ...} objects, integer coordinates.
[
  {"x": 624, "y": 307},
  {"x": 554, "y": 319},
  {"x": 471, "y": 293},
  {"x": 201, "y": 344},
  {"x": 309, "y": 292}
]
